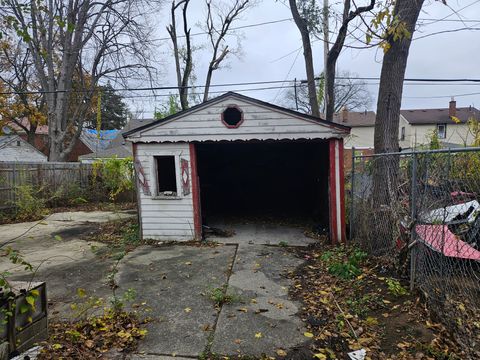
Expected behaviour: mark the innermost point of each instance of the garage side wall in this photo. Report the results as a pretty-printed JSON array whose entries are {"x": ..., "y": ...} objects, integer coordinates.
[{"x": 164, "y": 218}]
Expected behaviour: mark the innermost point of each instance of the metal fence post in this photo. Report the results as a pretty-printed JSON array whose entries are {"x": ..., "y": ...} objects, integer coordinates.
[
  {"x": 413, "y": 215},
  {"x": 352, "y": 188}
]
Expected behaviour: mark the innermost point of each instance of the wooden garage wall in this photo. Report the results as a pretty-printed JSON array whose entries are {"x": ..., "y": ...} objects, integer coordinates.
[
  {"x": 162, "y": 218},
  {"x": 260, "y": 123}
]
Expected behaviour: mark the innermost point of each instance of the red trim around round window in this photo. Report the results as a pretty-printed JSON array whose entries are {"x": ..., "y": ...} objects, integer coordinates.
[{"x": 237, "y": 124}]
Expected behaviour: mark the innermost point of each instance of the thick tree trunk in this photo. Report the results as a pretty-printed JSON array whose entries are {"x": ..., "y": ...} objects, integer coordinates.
[
  {"x": 307, "y": 54},
  {"x": 390, "y": 99},
  {"x": 386, "y": 168}
]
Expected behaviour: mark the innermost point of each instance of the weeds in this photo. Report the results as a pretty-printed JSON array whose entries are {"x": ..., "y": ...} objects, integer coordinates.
[
  {"x": 344, "y": 263},
  {"x": 29, "y": 203},
  {"x": 395, "y": 288},
  {"x": 220, "y": 297}
]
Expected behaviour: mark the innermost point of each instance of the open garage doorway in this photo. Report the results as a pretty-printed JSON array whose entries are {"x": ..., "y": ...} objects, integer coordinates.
[{"x": 284, "y": 182}]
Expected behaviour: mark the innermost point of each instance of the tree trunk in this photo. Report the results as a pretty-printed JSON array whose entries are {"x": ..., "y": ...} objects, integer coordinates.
[
  {"x": 386, "y": 168},
  {"x": 334, "y": 53},
  {"x": 390, "y": 99},
  {"x": 307, "y": 54}
]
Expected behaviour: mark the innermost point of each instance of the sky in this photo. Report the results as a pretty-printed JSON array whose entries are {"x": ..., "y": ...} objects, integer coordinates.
[{"x": 273, "y": 52}]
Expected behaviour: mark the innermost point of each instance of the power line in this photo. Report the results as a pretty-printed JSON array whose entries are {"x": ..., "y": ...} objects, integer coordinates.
[{"x": 159, "y": 88}]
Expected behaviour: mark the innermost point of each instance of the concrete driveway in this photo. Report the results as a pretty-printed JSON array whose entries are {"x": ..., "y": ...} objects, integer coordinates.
[{"x": 176, "y": 283}]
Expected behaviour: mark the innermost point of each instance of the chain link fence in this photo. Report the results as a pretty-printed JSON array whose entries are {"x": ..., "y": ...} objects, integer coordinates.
[{"x": 421, "y": 210}]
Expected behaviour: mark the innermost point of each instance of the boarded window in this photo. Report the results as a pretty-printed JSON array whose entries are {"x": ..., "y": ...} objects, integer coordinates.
[{"x": 166, "y": 175}]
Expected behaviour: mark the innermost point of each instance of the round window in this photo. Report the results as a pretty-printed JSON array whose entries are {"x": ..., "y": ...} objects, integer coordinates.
[{"x": 232, "y": 117}]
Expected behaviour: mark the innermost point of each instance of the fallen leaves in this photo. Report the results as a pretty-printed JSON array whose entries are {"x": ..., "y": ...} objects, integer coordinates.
[
  {"x": 258, "y": 335},
  {"x": 368, "y": 315},
  {"x": 90, "y": 338}
]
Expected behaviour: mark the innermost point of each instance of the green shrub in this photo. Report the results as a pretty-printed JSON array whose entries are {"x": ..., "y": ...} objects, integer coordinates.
[
  {"x": 29, "y": 203},
  {"x": 114, "y": 175}
]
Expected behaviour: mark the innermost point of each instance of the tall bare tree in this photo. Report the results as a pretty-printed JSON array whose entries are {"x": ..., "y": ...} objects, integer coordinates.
[
  {"x": 334, "y": 52},
  {"x": 182, "y": 56},
  {"x": 220, "y": 15},
  {"x": 301, "y": 20},
  {"x": 217, "y": 30},
  {"x": 83, "y": 40}
]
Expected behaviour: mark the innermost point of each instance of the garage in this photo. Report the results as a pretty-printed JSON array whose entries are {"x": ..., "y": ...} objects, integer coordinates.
[
  {"x": 235, "y": 158},
  {"x": 274, "y": 181}
]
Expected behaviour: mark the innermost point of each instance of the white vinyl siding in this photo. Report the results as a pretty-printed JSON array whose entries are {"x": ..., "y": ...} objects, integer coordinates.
[{"x": 165, "y": 218}]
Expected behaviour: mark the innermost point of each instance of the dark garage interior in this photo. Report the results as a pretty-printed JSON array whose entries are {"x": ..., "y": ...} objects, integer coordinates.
[{"x": 278, "y": 181}]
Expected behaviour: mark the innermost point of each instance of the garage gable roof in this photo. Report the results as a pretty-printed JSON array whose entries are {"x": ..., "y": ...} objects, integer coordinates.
[{"x": 205, "y": 118}]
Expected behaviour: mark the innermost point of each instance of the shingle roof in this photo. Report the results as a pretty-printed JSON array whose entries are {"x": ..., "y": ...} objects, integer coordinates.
[
  {"x": 5, "y": 139},
  {"x": 356, "y": 119},
  {"x": 122, "y": 151},
  {"x": 439, "y": 116},
  {"x": 94, "y": 142},
  {"x": 132, "y": 124}
]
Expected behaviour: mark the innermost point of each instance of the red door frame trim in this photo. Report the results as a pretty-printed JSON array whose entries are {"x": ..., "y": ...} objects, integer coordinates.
[
  {"x": 342, "y": 190},
  {"x": 197, "y": 209},
  {"x": 336, "y": 191}
]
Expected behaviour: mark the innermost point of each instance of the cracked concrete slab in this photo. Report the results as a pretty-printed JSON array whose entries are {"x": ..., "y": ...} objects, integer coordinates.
[
  {"x": 56, "y": 240},
  {"x": 266, "y": 319},
  {"x": 175, "y": 281},
  {"x": 263, "y": 234}
]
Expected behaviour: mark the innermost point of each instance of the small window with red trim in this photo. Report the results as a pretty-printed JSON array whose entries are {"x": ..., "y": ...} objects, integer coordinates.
[{"x": 232, "y": 117}]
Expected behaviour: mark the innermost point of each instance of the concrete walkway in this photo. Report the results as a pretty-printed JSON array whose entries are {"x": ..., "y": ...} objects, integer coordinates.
[{"x": 175, "y": 282}]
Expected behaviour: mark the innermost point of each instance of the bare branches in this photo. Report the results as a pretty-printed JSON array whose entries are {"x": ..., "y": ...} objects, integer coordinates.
[
  {"x": 217, "y": 33},
  {"x": 335, "y": 50},
  {"x": 183, "y": 74},
  {"x": 302, "y": 26}
]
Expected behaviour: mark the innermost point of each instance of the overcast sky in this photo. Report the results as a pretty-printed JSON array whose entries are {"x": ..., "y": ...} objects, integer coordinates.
[{"x": 273, "y": 52}]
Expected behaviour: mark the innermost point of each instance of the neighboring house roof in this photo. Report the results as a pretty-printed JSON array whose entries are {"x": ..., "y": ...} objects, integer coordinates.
[
  {"x": 118, "y": 146},
  {"x": 439, "y": 116},
  {"x": 91, "y": 138},
  {"x": 230, "y": 94},
  {"x": 122, "y": 151},
  {"x": 5, "y": 140},
  {"x": 355, "y": 119},
  {"x": 132, "y": 124}
]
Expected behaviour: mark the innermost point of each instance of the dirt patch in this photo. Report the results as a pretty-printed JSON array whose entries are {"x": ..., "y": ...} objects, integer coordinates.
[{"x": 352, "y": 302}]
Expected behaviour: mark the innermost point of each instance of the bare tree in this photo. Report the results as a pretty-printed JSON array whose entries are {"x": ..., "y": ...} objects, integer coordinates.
[
  {"x": 182, "y": 56},
  {"x": 78, "y": 41},
  {"x": 349, "y": 92},
  {"x": 334, "y": 53},
  {"x": 217, "y": 32},
  {"x": 302, "y": 23}
]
